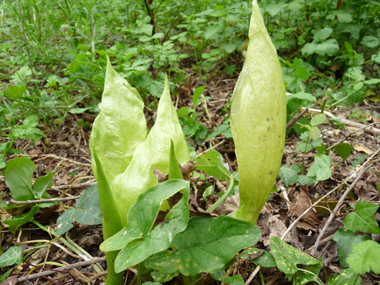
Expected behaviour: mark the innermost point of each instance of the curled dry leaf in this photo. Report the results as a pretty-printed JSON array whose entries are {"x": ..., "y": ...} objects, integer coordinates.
[{"x": 302, "y": 204}]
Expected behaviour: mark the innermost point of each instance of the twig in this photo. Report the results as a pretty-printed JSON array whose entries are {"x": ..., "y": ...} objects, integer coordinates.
[
  {"x": 346, "y": 137},
  {"x": 332, "y": 215},
  {"x": 41, "y": 200},
  {"x": 215, "y": 146},
  {"x": 324, "y": 196},
  {"x": 80, "y": 185},
  {"x": 366, "y": 128},
  {"x": 60, "y": 158},
  {"x": 296, "y": 117},
  {"x": 252, "y": 275},
  {"x": 311, "y": 207},
  {"x": 49, "y": 272}
]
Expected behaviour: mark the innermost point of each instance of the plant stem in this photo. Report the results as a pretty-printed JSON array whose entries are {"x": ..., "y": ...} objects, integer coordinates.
[
  {"x": 24, "y": 36},
  {"x": 139, "y": 273},
  {"x": 193, "y": 280}
]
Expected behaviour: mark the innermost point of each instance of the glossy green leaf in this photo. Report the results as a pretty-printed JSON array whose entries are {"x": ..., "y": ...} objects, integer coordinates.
[
  {"x": 87, "y": 211},
  {"x": 213, "y": 165},
  {"x": 143, "y": 213},
  {"x": 160, "y": 238},
  {"x": 363, "y": 219},
  {"x": 344, "y": 150},
  {"x": 288, "y": 175},
  {"x": 120, "y": 126},
  {"x": 234, "y": 280},
  {"x": 345, "y": 241},
  {"x": 309, "y": 274},
  {"x": 153, "y": 152},
  {"x": 318, "y": 119},
  {"x": 287, "y": 257},
  {"x": 18, "y": 177},
  {"x": 264, "y": 260},
  {"x": 258, "y": 120},
  {"x": 20, "y": 220},
  {"x": 11, "y": 256},
  {"x": 162, "y": 277},
  {"x": 347, "y": 276},
  {"x": 321, "y": 168},
  {"x": 198, "y": 248},
  {"x": 365, "y": 257},
  {"x": 41, "y": 184}
]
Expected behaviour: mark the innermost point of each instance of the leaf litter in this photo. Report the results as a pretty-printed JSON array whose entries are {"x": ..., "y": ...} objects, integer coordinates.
[{"x": 65, "y": 150}]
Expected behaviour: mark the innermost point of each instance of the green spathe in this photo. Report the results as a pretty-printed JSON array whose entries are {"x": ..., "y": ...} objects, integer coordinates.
[
  {"x": 154, "y": 152},
  {"x": 258, "y": 120},
  {"x": 120, "y": 126},
  {"x": 119, "y": 138}
]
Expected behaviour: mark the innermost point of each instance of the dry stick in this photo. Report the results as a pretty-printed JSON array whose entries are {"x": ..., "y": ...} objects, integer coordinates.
[
  {"x": 373, "y": 131},
  {"x": 58, "y": 157},
  {"x": 341, "y": 201},
  {"x": 41, "y": 200},
  {"x": 49, "y": 272},
  {"x": 311, "y": 207},
  {"x": 215, "y": 146},
  {"x": 346, "y": 137},
  {"x": 296, "y": 117},
  {"x": 327, "y": 194}
]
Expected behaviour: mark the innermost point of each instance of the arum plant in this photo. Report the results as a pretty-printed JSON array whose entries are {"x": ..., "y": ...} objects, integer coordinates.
[
  {"x": 124, "y": 156},
  {"x": 258, "y": 120}
]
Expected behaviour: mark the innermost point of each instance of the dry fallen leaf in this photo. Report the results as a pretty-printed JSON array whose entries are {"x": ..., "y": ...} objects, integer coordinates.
[
  {"x": 278, "y": 228},
  {"x": 302, "y": 204},
  {"x": 362, "y": 148}
]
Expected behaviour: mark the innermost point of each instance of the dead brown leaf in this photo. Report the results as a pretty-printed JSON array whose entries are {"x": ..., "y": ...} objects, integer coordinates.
[
  {"x": 302, "y": 204},
  {"x": 362, "y": 148}
]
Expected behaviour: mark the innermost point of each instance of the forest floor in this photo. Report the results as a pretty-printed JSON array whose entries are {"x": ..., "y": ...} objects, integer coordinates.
[{"x": 65, "y": 149}]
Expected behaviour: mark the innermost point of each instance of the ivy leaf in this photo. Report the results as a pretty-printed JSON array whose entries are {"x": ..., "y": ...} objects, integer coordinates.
[
  {"x": 213, "y": 165},
  {"x": 11, "y": 256},
  {"x": 305, "y": 180},
  {"x": 345, "y": 241},
  {"x": 288, "y": 175},
  {"x": 87, "y": 211},
  {"x": 287, "y": 257},
  {"x": 309, "y": 274},
  {"x": 344, "y": 150},
  {"x": 318, "y": 119},
  {"x": 20, "y": 220},
  {"x": 365, "y": 257},
  {"x": 264, "y": 260},
  {"x": 347, "y": 276},
  {"x": 363, "y": 219},
  {"x": 321, "y": 167},
  {"x": 198, "y": 248},
  {"x": 234, "y": 280}
]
